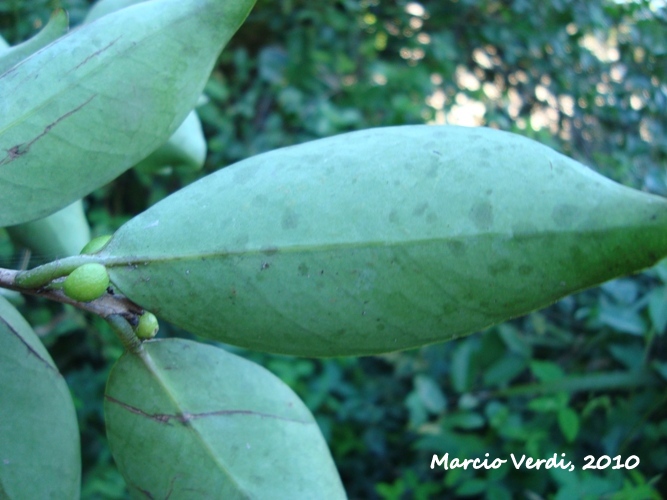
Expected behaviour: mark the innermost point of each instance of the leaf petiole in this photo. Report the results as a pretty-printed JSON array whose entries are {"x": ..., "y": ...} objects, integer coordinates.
[{"x": 125, "y": 333}]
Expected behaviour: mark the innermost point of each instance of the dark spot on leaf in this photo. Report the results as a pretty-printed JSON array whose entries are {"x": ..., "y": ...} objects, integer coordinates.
[
  {"x": 432, "y": 172},
  {"x": 290, "y": 219},
  {"x": 420, "y": 209},
  {"x": 481, "y": 215},
  {"x": 458, "y": 248},
  {"x": 564, "y": 215},
  {"x": 502, "y": 266},
  {"x": 525, "y": 270},
  {"x": 260, "y": 199},
  {"x": 242, "y": 240},
  {"x": 393, "y": 217},
  {"x": 303, "y": 269}
]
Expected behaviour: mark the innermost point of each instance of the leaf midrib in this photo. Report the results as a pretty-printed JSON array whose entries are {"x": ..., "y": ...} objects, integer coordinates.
[{"x": 111, "y": 261}]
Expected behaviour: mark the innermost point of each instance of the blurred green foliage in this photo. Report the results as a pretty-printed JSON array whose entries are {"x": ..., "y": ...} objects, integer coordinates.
[{"x": 586, "y": 376}]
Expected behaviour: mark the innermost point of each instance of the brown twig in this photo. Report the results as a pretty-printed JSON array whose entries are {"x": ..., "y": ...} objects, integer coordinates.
[{"x": 107, "y": 305}]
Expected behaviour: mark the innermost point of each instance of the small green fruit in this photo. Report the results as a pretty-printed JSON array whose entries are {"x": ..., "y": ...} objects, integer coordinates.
[
  {"x": 96, "y": 244},
  {"x": 147, "y": 327},
  {"x": 86, "y": 282}
]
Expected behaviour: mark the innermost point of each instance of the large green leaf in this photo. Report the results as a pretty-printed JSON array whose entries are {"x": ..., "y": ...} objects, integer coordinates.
[
  {"x": 189, "y": 420},
  {"x": 98, "y": 100},
  {"x": 58, "y": 235},
  {"x": 56, "y": 27},
  {"x": 39, "y": 437},
  {"x": 381, "y": 240}
]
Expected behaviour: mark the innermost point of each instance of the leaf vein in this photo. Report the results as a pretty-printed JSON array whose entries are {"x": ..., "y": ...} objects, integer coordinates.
[{"x": 186, "y": 417}]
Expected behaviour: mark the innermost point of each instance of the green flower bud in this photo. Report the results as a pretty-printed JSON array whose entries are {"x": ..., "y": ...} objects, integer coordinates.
[
  {"x": 96, "y": 244},
  {"x": 86, "y": 282},
  {"x": 148, "y": 326}
]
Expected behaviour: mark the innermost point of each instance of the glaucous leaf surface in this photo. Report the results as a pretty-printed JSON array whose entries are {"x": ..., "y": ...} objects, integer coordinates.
[
  {"x": 39, "y": 436},
  {"x": 55, "y": 28},
  {"x": 187, "y": 146},
  {"x": 382, "y": 239},
  {"x": 187, "y": 420},
  {"x": 55, "y": 236},
  {"x": 101, "y": 98}
]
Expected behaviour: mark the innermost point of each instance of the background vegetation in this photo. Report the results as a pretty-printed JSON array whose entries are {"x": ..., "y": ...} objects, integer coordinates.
[{"x": 584, "y": 377}]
